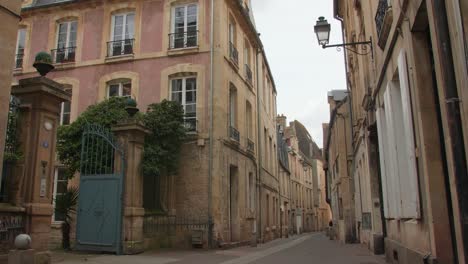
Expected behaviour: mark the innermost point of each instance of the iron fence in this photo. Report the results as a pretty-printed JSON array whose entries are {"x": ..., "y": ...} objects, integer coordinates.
[
  {"x": 183, "y": 40},
  {"x": 63, "y": 55},
  {"x": 11, "y": 151},
  {"x": 11, "y": 225},
  {"x": 169, "y": 225},
  {"x": 120, "y": 47}
]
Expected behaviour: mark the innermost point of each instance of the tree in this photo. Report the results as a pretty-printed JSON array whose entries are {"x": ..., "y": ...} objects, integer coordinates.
[{"x": 65, "y": 206}]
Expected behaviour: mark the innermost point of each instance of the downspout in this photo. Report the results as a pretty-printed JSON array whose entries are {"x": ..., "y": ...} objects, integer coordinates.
[
  {"x": 210, "y": 159},
  {"x": 259, "y": 151},
  {"x": 441, "y": 38}
]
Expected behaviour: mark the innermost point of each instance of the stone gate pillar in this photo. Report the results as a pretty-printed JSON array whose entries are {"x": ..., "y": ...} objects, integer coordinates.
[
  {"x": 132, "y": 135},
  {"x": 32, "y": 186}
]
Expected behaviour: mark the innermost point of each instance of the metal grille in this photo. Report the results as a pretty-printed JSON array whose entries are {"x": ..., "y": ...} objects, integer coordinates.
[
  {"x": 11, "y": 225},
  {"x": 183, "y": 40},
  {"x": 250, "y": 145},
  {"x": 248, "y": 74},
  {"x": 120, "y": 47},
  {"x": 366, "y": 221},
  {"x": 19, "y": 61},
  {"x": 233, "y": 53},
  {"x": 63, "y": 55},
  {"x": 234, "y": 134}
]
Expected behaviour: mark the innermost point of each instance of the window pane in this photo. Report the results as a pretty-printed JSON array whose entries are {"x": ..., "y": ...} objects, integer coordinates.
[
  {"x": 118, "y": 27},
  {"x": 191, "y": 84},
  {"x": 21, "y": 39},
  {"x": 127, "y": 89},
  {"x": 113, "y": 90},
  {"x": 177, "y": 85},
  {"x": 72, "y": 38},
  {"x": 129, "y": 27},
  {"x": 190, "y": 97},
  {"x": 62, "y": 35}
]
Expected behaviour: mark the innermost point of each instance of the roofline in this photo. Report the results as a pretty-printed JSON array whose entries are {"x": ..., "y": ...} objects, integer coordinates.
[
  {"x": 32, "y": 7},
  {"x": 332, "y": 122}
]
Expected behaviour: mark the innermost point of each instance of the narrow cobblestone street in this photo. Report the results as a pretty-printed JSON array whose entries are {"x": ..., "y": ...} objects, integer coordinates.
[{"x": 310, "y": 248}]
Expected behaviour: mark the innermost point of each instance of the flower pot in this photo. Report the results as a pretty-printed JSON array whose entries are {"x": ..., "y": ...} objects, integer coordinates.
[
  {"x": 43, "y": 68},
  {"x": 132, "y": 110}
]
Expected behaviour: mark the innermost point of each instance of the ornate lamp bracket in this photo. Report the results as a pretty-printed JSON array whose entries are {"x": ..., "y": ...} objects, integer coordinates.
[{"x": 366, "y": 47}]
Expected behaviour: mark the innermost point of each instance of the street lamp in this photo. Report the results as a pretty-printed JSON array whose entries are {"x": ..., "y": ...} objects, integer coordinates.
[{"x": 322, "y": 30}]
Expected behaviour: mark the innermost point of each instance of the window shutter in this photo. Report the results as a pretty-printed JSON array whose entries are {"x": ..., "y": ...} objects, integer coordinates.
[
  {"x": 410, "y": 188},
  {"x": 384, "y": 159}
]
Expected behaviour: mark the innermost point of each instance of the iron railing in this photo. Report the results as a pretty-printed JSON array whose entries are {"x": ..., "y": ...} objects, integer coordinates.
[
  {"x": 11, "y": 225},
  {"x": 250, "y": 145},
  {"x": 120, "y": 47},
  {"x": 154, "y": 225},
  {"x": 183, "y": 40},
  {"x": 248, "y": 74},
  {"x": 63, "y": 55},
  {"x": 234, "y": 134},
  {"x": 380, "y": 15},
  {"x": 233, "y": 53},
  {"x": 19, "y": 61}
]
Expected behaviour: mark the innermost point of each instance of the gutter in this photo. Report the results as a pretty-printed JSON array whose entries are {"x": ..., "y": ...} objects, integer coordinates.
[
  {"x": 259, "y": 155},
  {"x": 211, "y": 141}
]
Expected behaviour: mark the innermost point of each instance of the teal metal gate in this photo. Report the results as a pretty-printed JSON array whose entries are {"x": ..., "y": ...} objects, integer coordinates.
[{"x": 99, "y": 222}]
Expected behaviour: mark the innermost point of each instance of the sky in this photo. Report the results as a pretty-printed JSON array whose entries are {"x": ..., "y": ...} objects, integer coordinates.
[{"x": 302, "y": 70}]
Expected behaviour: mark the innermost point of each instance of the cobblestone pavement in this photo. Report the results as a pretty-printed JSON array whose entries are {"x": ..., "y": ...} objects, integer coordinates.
[{"x": 309, "y": 248}]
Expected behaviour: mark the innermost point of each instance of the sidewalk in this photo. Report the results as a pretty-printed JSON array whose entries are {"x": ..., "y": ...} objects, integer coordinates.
[{"x": 298, "y": 249}]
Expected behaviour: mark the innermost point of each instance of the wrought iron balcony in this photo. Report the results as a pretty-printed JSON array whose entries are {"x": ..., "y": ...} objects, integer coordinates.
[
  {"x": 183, "y": 40},
  {"x": 233, "y": 53},
  {"x": 120, "y": 47},
  {"x": 19, "y": 61},
  {"x": 250, "y": 145},
  {"x": 248, "y": 74},
  {"x": 234, "y": 134},
  {"x": 63, "y": 55}
]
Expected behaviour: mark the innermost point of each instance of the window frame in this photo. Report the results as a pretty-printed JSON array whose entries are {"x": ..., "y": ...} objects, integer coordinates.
[
  {"x": 21, "y": 29},
  {"x": 62, "y": 109},
  {"x": 124, "y": 22},
  {"x": 184, "y": 97},
  {"x": 68, "y": 31},
  {"x": 54, "y": 194},
  {"x": 120, "y": 83},
  {"x": 173, "y": 22}
]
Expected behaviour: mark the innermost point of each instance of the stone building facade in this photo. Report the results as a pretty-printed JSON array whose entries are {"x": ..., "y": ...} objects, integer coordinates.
[
  {"x": 206, "y": 55},
  {"x": 409, "y": 126},
  {"x": 337, "y": 153}
]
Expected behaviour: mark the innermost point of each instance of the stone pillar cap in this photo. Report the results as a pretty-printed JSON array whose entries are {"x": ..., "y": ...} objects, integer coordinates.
[
  {"x": 40, "y": 85},
  {"x": 130, "y": 124}
]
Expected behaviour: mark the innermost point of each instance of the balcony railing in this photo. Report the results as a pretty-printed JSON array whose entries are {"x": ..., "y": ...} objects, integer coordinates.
[
  {"x": 183, "y": 40},
  {"x": 19, "y": 61},
  {"x": 234, "y": 134},
  {"x": 63, "y": 55},
  {"x": 120, "y": 47},
  {"x": 250, "y": 145},
  {"x": 380, "y": 15},
  {"x": 233, "y": 53},
  {"x": 248, "y": 74}
]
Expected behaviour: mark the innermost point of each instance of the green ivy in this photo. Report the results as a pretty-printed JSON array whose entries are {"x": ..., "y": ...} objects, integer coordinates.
[
  {"x": 12, "y": 151},
  {"x": 162, "y": 147}
]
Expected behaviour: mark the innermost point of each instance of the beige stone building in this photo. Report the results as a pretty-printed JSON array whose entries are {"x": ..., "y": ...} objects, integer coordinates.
[
  {"x": 338, "y": 153},
  {"x": 205, "y": 54},
  {"x": 408, "y": 117}
]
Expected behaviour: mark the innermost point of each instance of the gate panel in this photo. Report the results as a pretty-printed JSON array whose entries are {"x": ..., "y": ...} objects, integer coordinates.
[{"x": 99, "y": 223}]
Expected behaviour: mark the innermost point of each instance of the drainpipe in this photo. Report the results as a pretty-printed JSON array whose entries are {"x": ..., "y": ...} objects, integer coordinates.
[
  {"x": 259, "y": 151},
  {"x": 441, "y": 38},
  {"x": 210, "y": 158}
]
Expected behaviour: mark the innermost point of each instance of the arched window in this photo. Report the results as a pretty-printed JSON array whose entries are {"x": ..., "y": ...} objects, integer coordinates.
[{"x": 119, "y": 87}]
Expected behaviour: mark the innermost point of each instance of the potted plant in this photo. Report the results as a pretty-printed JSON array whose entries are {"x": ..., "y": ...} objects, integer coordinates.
[
  {"x": 65, "y": 206},
  {"x": 131, "y": 107},
  {"x": 43, "y": 63}
]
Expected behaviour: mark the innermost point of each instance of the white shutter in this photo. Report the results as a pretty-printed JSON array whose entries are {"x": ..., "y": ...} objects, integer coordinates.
[
  {"x": 393, "y": 168},
  {"x": 382, "y": 133},
  {"x": 409, "y": 186}
]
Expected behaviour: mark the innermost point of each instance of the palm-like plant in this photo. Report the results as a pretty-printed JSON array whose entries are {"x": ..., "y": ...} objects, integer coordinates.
[{"x": 65, "y": 205}]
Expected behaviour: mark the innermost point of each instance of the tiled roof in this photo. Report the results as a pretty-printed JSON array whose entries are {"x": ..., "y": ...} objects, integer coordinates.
[{"x": 39, "y": 3}]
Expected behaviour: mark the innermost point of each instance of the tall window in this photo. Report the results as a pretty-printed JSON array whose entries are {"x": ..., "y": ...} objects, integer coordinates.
[
  {"x": 247, "y": 59},
  {"x": 184, "y": 26},
  {"x": 20, "y": 44},
  {"x": 122, "y": 34},
  {"x": 66, "y": 42},
  {"x": 233, "y": 53},
  {"x": 60, "y": 188},
  {"x": 121, "y": 88},
  {"x": 184, "y": 91},
  {"x": 248, "y": 118},
  {"x": 232, "y": 107},
  {"x": 251, "y": 191},
  {"x": 65, "y": 110}
]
